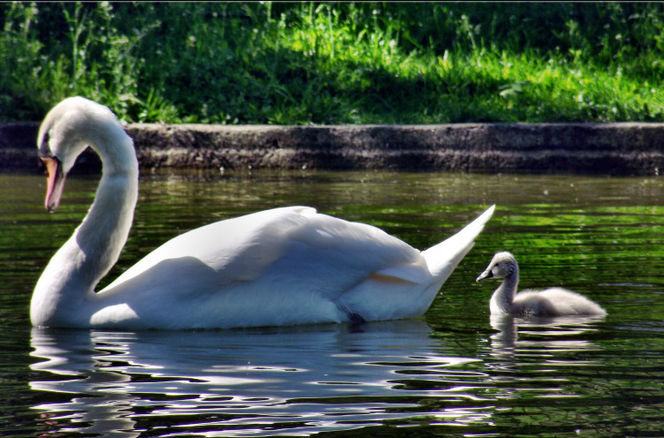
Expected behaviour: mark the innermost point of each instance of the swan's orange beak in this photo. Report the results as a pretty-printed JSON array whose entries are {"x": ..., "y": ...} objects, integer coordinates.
[{"x": 55, "y": 182}]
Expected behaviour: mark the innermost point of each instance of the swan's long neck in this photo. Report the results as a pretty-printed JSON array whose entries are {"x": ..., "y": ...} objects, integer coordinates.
[
  {"x": 73, "y": 272},
  {"x": 503, "y": 297}
]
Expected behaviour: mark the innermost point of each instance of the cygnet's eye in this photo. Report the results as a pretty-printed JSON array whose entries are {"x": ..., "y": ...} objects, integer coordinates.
[{"x": 501, "y": 268}]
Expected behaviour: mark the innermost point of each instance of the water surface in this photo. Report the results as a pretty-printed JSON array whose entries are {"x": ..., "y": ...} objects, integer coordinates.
[{"x": 453, "y": 372}]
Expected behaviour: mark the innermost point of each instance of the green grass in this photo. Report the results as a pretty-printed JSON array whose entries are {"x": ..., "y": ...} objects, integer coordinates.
[{"x": 337, "y": 63}]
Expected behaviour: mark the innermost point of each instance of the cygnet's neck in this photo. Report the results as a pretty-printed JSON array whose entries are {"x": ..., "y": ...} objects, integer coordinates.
[
  {"x": 69, "y": 279},
  {"x": 503, "y": 296}
]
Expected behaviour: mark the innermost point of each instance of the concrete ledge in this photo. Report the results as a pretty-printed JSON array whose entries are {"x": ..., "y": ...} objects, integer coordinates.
[{"x": 614, "y": 148}]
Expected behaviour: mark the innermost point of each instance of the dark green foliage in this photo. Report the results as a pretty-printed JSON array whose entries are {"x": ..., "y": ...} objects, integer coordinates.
[{"x": 326, "y": 63}]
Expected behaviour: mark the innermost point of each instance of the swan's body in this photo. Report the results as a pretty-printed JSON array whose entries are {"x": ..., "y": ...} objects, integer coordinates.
[
  {"x": 554, "y": 301},
  {"x": 276, "y": 267}
]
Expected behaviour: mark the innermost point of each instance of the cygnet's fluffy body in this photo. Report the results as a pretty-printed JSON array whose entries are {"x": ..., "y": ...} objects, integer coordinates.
[{"x": 554, "y": 301}]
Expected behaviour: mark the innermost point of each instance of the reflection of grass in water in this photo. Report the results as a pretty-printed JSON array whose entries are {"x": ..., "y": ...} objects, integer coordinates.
[{"x": 606, "y": 378}]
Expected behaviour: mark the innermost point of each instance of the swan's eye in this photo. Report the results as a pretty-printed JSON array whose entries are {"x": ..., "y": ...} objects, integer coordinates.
[{"x": 44, "y": 148}]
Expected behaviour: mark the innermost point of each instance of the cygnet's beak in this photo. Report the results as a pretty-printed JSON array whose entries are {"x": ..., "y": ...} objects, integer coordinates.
[
  {"x": 55, "y": 182},
  {"x": 486, "y": 274}
]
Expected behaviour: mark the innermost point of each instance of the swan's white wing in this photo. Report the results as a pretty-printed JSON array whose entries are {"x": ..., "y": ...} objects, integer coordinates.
[
  {"x": 276, "y": 267},
  {"x": 294, "y": 246}
]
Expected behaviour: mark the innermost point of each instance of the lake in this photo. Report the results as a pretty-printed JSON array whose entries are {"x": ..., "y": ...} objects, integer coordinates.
[{"x": 454, "y": 372}]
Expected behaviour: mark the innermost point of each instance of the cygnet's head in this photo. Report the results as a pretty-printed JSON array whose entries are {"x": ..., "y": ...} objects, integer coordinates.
[{"x": 503, "y": 264}]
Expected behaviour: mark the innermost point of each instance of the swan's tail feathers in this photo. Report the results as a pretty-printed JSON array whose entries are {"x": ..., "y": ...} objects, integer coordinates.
[{"x": 445, "y": 256}]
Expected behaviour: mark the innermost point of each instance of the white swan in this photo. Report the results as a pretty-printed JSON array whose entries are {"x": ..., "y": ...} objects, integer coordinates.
[
  {"x": 276, "y": 267},
  {"x": 554, "y": 301}
]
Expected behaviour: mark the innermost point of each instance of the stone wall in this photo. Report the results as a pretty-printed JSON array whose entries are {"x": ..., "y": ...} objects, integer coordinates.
[{"x": 614, "y": 149}]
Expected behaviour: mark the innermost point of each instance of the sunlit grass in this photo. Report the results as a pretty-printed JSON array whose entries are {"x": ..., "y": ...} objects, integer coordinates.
[
  {"x": 328, "y": 63},
  {"x": 480, "y": 85}
]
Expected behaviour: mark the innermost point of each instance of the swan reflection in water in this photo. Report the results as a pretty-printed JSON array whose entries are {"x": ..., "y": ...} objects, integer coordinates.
[
  {"x": 539, "y": 354},
  {"x": 560, "y": 333},
  {"x": 301, "y": 380},
  {"x": 305, "y": 379}
]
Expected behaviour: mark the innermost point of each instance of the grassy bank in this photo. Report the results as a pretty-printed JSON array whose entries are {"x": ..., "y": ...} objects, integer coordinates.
[{"x": 330, "y": 63}]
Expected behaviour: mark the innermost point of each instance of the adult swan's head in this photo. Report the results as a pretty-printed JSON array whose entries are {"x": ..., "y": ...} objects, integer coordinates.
[
  {"x": 281, "y": 266},
  {"x": 69, "y": 128}
]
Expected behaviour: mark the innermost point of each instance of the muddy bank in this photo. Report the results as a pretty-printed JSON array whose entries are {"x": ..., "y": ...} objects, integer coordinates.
[{"x": 615, "y": 149}]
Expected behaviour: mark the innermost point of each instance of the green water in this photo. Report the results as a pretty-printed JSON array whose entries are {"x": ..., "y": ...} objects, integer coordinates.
[{"x": 454, "y": 372}]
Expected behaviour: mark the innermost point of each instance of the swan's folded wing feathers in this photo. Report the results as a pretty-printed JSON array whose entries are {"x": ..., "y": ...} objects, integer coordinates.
[
  {"x": 240, "y": 247},
  {"x": 278, "y": 245},
  {"x": 412, "y": 273},
  {"x": 339, "y": 254}
]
